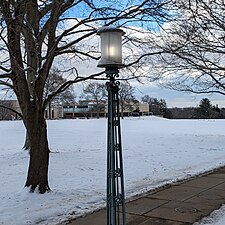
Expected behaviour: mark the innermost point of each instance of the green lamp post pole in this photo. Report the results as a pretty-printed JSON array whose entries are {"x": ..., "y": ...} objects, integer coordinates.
[{"x": 111, "y": 60}]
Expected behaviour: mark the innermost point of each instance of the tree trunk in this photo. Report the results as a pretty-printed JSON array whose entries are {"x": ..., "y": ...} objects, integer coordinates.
[
  {"x": 27, "y": 143},
  {"x": 122, "y": 109},
  {"x": 37, "y": 176},
  {"x": 97, "y": 108},
  {"x": 49, "y": 110}
]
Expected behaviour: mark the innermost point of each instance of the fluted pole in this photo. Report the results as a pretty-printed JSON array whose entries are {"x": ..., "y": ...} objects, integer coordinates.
[{"x": 115, "y": 179}]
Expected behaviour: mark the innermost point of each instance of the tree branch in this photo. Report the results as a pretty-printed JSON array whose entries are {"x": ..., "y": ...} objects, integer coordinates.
[
  {"x": 4, "y": 69},
  {"x": 80, "y": 53},
  {"x": 6, "y": 84},
  {"x": 13, "y": 110},
  {"x": 6, "y": 75},
  {"x": 143, "y": 56},
  {"x": 67, "y": 84}
]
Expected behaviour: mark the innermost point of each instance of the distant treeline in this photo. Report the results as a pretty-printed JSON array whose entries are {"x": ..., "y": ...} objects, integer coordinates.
[
  {"x": 205, "y": 110},
  {"x": 195, "y": 113}
]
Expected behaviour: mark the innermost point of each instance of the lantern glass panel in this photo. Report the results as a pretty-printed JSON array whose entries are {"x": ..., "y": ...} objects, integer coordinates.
[{"x": 111, "y": 48}]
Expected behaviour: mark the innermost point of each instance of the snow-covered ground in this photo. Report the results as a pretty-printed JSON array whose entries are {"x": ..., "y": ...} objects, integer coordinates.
[
  {"x": 156, "y": 151},
  {"x": 215, "y": 218}
]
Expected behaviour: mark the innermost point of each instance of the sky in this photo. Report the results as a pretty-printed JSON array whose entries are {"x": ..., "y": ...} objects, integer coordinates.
[
  {"x": 178, "y": 99},
  {"x": 173, "y": 98}
]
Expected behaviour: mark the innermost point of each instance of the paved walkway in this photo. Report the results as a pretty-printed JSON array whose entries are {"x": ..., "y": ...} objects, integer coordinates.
[{"x": 179, "y": 204}]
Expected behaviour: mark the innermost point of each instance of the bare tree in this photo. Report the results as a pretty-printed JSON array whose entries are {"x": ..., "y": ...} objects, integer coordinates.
[
  {"x": 156, "y": 106},
  {"x": 36, "y": 33},
  {"x": 96, "y": 92},
  {"x": 8, "y": 111},
  {"x": 53, "y": 82},
  {"x": 193, "y": 47},
  {"x": 126, "y": 93}
]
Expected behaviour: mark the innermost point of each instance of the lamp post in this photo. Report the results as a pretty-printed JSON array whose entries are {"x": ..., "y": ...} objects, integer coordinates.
[{"x": 111, "y": 60}]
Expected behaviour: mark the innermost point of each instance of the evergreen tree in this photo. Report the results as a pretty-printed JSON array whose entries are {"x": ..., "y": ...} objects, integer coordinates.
[{"x": 204, "y": 107}]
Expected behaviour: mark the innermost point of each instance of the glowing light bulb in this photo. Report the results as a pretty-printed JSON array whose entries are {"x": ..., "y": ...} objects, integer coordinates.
[{"x": 111, "y": 51}]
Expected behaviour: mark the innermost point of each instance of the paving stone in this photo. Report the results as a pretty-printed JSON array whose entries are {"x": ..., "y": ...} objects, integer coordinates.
[
  {"x": 143, "y": 205},
  {"x": 99, "y": 218},
  {"x": 181, "y": 204},
  {"x": 213, "y": 195},
  {"x": 134, "y": 219},
  {"x": 216, "y": 175},
  {"x": 181, "y": 212},
  {"x": 220, "y": 186},
  {"x": 204, "y": 182},
  {"x": 96, "y": 218},
  {"x": 201, "y": 199},
  {"x": 187, "y": 207},
  {"x": 158, "y": 221},
  {"x": 178, "y": 193}
]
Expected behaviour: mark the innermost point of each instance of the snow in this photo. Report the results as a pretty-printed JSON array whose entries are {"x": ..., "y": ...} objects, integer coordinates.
[
  {"x": 215, "y": 218},
  {"x": 156, "y": 151}
]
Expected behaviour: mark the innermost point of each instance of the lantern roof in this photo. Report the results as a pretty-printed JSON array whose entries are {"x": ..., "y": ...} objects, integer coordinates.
[{"x": 110, "y": 29}]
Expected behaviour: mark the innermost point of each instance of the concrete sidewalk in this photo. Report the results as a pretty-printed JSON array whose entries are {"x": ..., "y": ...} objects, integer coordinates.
[{"x": 179, "y": 204}]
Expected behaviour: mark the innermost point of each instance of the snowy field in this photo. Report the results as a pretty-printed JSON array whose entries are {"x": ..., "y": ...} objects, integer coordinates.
[{"x": 156, "y": 151}]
